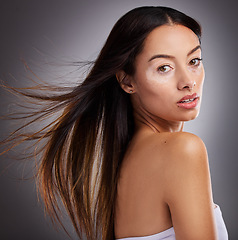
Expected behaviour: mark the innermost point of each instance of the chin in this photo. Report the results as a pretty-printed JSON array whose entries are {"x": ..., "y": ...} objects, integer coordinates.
[{"x": 190, "y": 117}]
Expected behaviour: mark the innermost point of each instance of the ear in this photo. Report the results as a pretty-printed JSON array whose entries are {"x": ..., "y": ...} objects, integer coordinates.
[{"x": 125, "y": 81}]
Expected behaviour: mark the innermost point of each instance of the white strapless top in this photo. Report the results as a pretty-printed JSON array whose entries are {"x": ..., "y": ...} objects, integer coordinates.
[{"x": 169, "y": 234}]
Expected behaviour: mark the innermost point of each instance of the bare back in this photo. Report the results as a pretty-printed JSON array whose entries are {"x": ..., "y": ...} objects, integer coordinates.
[
  {"x": 140, "y": 207},
  {"x": 164, "y": 181}
]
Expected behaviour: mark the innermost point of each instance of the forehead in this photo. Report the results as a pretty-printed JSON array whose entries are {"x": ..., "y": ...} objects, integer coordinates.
[{"x": 170, "y": 39}]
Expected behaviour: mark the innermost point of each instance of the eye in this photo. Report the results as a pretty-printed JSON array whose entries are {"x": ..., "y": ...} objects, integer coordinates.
[
  {"x": 195, "y": 62},
  {"x": 164, "y": 68}
]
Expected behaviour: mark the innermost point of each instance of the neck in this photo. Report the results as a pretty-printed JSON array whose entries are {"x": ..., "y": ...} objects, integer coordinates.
[{"x": 156, "y": 124}]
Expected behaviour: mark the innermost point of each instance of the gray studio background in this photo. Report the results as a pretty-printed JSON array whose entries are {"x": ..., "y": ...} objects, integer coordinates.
[{"x": 48, "y": 34}]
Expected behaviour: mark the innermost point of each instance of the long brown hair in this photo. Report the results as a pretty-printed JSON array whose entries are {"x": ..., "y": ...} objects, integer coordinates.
[{"x": 85, "y": 145}]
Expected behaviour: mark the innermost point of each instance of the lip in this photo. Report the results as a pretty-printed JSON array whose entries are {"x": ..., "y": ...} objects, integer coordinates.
[
  {"x": 190, "y": 104},
  {"x": 194, "y": 95}
]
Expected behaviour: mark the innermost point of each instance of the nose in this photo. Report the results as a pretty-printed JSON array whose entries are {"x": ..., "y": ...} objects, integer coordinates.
[{"x": 185, "y": 80}]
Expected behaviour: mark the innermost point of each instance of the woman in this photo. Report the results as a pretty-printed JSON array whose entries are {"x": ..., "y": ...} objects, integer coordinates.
[{"x": 117, "y": 156}]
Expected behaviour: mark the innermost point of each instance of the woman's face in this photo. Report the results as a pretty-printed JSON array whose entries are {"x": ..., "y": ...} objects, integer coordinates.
[{"x": 169, "y": 75}]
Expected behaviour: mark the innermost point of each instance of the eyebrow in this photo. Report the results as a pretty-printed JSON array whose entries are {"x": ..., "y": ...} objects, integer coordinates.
[{"x": 169, "y": 56}]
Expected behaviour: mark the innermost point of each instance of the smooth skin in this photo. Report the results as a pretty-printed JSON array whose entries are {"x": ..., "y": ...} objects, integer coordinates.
[{"x": 165, "y": 179}]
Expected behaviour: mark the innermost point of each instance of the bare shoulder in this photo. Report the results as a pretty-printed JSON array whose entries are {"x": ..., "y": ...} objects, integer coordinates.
[
  {"x": 170, "y": 148},
  {"x": 174, "y": 168},
  {"x": 184, "y": 141},
  {"x": 183, "y": 146},
  {"x": 179, "y": 153},
  {"x": 188, "y": 191},
  {"x": 179, "y": 146},
  {"x": 186, "y": 156}
]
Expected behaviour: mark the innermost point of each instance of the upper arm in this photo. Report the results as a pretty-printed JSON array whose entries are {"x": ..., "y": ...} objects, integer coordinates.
[{"x": 188, "y": 189}]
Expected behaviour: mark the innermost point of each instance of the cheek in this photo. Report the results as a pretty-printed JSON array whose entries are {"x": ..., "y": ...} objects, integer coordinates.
[
  {"x": 150, "y": 81},
  {"x": 152, "y": 88},
  {"x": 200, "y": 75},
  {"x": 155, "y": 77}
]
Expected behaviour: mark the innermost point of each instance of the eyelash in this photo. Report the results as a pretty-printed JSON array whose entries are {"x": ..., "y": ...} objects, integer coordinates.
[
  {"x": 166, "y": 65},
  {"x": 162, "y": 67},
  {"x": 198, "y": 62}
]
